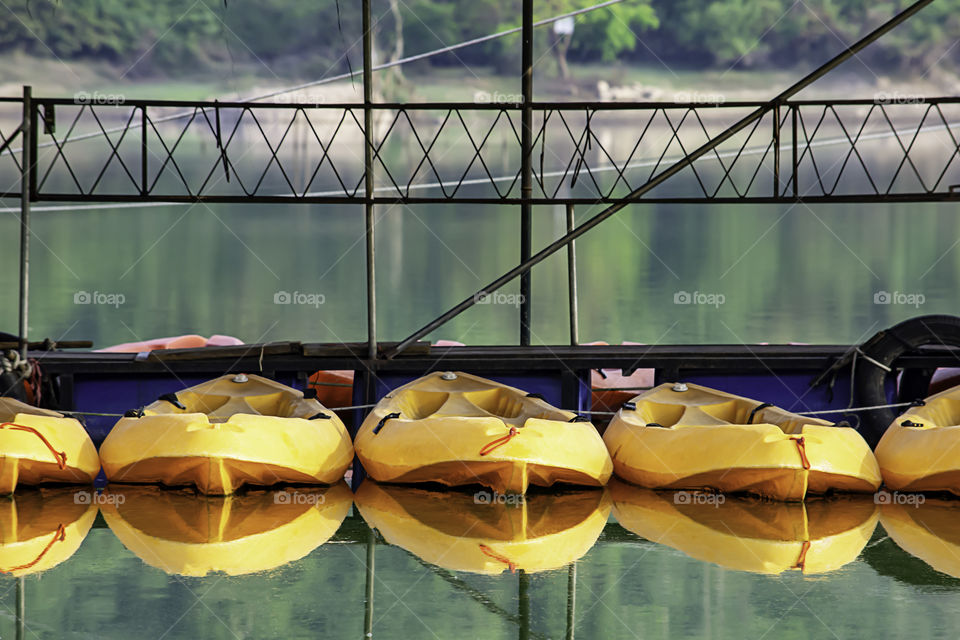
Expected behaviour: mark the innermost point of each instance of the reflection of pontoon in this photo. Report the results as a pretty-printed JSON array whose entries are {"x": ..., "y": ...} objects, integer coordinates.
[
  {"x": 188, "y": 534},
  {"x": 929, "y": 531},
  {"x": 42, "y": 528},
  {"x": 486, "y": 532},
  {"x": 749, "y": 535}
]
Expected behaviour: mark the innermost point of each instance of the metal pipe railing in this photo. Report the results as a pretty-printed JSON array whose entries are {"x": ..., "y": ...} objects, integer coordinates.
[
  {"x": 368, "y": 168},
  {"x": 526, "y": 169},
  {"x": 26, "y": 171}
]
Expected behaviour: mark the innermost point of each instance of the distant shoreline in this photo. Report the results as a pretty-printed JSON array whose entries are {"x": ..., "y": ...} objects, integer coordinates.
[{"x": 50, "y": 77}]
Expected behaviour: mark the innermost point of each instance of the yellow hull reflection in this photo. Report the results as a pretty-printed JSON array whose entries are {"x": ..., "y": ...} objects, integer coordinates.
[
  {"x": 39, "y": 529},
  {"x": 929, "y": 531},
  {"x": 486, "y": 532},
  {"x": 749, "y": 535},
  {"x": 183, "y": 533}
]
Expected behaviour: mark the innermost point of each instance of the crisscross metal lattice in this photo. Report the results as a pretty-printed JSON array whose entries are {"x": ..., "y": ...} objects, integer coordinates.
[{"x": 845, "y": 150}]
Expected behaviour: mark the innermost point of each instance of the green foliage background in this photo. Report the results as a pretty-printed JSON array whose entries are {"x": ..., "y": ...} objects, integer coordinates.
[{"x": 180, "y": 36}]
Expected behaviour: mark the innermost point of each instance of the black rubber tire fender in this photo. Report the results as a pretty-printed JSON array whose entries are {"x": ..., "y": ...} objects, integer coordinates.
[{"x": 885, "y": 347}]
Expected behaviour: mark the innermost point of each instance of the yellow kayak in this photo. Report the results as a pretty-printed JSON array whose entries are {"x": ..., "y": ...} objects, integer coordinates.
[
  {"x": 692, "y": 437},
  {"x": 42, "y": 528},
  {"x": 228, "y": 432},
  {"x": 920, "y": 451},
  {"x": 39, "y": 446},
  {"x": 928, "y": 530},
  {"x": 187, "y": 534},
  {"x": 479, "y": 533},
  {"x": 746, "y": 534},
  {"x": 459, "y": 429}
]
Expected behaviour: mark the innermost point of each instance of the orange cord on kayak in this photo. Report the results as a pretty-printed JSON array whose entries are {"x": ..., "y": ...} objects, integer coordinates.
[
  {"x": 803, "y": 556},
  {"x": 61, "y": 456},
  {"x": 59, "y": 536},
  {"x": 801, "y": 447},
  {"x": 487, "y": 551},
  {"x": 499, "y": 442}
]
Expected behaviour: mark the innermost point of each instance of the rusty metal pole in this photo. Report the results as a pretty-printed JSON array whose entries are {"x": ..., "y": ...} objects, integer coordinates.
[
  {"x": 523, "y": 604},
  {"x": 571, "y": 600},
  {"x": 21, "y": 612},
  {"x": 526, "y": 169},
  {"x": 795, "y": 177},
  {"x": 368, "y": 180},
  {"x": 572, "y": 282},
  {"x": 776, "y": 151},
  {"x": 26, "y": 155},
  {"x": 368, "y": 592}
]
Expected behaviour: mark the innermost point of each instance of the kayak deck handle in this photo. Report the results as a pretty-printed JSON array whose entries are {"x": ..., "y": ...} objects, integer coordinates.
[{"x": 383, "y": 421}]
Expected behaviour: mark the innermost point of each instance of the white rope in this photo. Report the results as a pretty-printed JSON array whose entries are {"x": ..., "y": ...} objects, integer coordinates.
[
  {"x": 593, "y": 413},
  {"x": 13, "y": 362},
  {"x": 89, "y": 413},
  {"x": 854, "y": 409},
  {"x": 800, "y": 413},
  {"x": 428, "y": 54},
  {"x": 356, "y": 406},
  {"x": 120, "y": 415},
  {"x": 580, "y": 411},
  {"x": 872, "y": 361}
]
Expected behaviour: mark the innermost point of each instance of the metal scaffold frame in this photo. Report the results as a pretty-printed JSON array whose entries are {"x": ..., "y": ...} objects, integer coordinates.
[{"x": 149, "y": 161}]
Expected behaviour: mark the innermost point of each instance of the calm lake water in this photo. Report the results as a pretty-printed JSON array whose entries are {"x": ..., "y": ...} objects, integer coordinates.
[{"x": 620, "y": 563}]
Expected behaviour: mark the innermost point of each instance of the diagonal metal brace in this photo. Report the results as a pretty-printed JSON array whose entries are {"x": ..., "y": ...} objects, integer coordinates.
[{"x": 13, "y": 135}]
